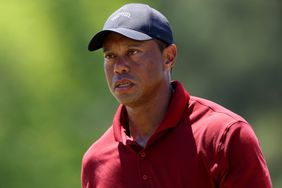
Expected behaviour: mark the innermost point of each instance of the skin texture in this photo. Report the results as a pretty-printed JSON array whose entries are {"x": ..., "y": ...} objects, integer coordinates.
[{"x": 138, "y": 75}]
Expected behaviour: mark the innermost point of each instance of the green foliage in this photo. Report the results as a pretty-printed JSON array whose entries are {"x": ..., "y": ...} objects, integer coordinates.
[{"x": 54, "y": 101}]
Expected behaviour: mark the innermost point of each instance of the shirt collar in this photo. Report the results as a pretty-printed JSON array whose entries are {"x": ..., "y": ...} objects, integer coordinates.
[{"x": 178, "y": 103}]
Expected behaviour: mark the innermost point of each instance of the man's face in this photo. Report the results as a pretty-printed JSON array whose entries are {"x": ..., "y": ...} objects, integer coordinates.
[{"x": 135, "y": 70}]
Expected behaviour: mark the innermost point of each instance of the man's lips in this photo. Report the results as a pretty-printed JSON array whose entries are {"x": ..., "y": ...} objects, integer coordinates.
[{"x": 123, "y": 84}]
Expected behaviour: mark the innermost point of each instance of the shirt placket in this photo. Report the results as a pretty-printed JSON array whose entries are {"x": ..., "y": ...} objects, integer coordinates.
[
  {"x": 145, "y": 176},
  {"x": 143, "y": 164}
]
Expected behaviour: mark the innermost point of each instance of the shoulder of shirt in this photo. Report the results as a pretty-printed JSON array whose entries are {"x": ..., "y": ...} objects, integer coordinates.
[
  {"x": 213, "y": 108},
  {"x": 218, "y": 132},
  {"x": 213, "y": 122},
  {"x": 213, "y": 125},
  {"x": 101, "y": 146}
]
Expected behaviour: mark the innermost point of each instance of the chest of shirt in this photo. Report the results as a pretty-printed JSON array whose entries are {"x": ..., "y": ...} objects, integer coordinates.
[{"x": 171, "y": 161}]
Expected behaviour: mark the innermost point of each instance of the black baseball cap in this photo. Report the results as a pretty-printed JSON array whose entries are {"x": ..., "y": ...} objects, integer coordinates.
[{"x": 137, "y": 22}]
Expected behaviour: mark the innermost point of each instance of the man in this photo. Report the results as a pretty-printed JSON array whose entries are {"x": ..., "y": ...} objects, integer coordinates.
[{"x": 161, "y": 136}]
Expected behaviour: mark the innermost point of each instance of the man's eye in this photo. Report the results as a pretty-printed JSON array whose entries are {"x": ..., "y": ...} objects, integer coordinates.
[
  {"x": 132, "y": 52},
  {"x": 109, "y": 56}
]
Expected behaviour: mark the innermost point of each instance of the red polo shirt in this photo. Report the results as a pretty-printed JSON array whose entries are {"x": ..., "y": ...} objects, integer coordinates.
[{"x": 199, "y": 144}]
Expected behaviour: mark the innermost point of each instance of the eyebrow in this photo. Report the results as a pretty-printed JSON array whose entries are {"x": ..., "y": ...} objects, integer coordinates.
[
  {"x": 105, "y": 50},
  {"x": 131, "y": 45}
]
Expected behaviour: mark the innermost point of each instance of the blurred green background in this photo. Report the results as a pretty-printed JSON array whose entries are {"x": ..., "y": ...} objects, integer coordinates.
[{"x": 54, "y": 101}]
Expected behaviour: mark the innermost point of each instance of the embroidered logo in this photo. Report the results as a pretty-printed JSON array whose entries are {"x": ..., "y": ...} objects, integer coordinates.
[{"x": 125, "y": 14}]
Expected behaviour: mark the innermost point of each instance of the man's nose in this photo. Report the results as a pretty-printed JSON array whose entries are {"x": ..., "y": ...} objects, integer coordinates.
[{"x": 121, "y": 66}]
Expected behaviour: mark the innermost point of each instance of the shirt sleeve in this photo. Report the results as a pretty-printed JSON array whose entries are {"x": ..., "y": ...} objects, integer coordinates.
[{"x": 242, "y": 159}]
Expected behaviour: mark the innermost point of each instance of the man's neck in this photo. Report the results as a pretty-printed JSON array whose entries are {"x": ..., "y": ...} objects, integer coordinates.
[{"x": 143, "y": 120}]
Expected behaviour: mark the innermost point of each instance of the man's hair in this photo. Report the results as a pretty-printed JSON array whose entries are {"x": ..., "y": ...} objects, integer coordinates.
[{"x": 162, "y": 45}]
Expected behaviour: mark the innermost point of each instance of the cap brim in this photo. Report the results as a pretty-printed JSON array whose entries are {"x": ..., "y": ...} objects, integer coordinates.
[{"x": 98, "y": 39}]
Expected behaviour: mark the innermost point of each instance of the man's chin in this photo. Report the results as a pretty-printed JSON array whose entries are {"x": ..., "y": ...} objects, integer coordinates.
[{"x": 126, "y": 100}]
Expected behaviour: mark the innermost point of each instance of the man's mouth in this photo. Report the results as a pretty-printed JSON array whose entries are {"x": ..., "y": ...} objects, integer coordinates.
[{"x": 122, "y": 84}]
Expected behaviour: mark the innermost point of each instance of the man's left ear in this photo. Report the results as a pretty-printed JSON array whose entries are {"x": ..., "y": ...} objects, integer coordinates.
[{"x": 169, "y": 54}]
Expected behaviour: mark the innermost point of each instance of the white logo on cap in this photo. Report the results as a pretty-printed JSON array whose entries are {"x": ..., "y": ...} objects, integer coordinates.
[{"x": 125, "y": 14}]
